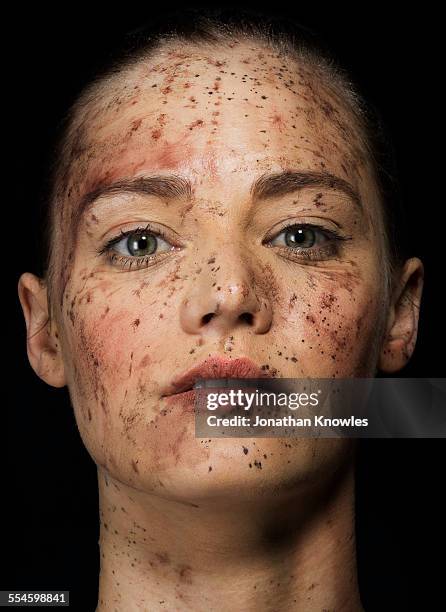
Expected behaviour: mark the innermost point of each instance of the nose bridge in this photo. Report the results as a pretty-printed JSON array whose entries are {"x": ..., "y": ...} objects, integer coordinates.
[
  {"x": 225, "y": 294},
  {"x": 232, "y": 265}
]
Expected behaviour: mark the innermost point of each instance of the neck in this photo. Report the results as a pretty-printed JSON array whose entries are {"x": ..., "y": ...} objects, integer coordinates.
[{"x": 286, "y": 554}]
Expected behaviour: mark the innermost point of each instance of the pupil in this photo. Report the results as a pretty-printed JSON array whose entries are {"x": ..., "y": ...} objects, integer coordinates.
[
  {"x": 141, "y": 244},
  {"x": 300, "y": 237}
]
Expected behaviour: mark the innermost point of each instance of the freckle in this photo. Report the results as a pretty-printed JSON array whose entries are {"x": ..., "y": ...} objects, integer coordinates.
[
  {"x": 145, "y": 361},
  {"x": 245, "y": 450},
  {"x": 136, "y": 322},
  {"x": 135, "y": 125},
  {"x": 197, "y": 123},
  {"x": 210, "y": 468}
]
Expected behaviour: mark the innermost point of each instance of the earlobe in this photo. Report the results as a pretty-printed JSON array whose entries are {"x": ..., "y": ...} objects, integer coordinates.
[
  {"x": 402, "y": 325},
  {"x": 43, "y": 347}
]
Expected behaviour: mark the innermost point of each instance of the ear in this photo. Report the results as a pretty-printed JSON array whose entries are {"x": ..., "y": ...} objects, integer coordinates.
[
  {"x": 43, "y": 346},
  {"x": 402, "y": 324}
]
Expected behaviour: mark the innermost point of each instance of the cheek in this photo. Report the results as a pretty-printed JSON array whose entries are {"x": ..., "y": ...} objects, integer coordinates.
[
  {"x": 116, "y": 356},
  {"x": 335, "y": 323},
  {"x": 116, "y": 327},
  {"x": 111, "y": 344}
]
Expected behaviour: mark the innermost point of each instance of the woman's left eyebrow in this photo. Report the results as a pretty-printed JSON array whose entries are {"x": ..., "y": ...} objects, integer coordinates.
[{"x": 282, "y": 183}]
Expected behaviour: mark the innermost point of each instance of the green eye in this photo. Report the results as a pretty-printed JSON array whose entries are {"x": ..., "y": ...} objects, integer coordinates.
[
  {"x": 300, "y": 237},
  {"x": 141, "y": 244},
  {"x": 138, "y": 247},
  {"x": 303, "y": 237}
]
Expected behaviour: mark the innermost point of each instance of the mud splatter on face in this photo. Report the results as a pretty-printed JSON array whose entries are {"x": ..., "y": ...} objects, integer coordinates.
[{"x": 152, "y": 282}]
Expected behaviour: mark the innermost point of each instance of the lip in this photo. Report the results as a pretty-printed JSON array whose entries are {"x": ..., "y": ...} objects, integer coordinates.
[{"x": 215, "y": 367}]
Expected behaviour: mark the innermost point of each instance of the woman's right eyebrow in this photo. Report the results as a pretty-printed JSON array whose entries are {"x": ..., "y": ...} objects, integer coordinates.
[{"x": 169, "y": 187}]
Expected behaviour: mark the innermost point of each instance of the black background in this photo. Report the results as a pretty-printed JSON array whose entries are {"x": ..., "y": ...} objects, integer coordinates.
[{"x": 52, "y": 491}]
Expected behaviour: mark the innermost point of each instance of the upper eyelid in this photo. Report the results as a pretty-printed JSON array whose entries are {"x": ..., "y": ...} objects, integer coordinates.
[
  {"x": 313, "y": 226},
  {"x": 124, "y": 234}
]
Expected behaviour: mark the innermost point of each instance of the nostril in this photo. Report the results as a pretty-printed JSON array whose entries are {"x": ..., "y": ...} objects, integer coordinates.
[
  {"x": 207, "y": 317},
  {"x": 247, "y": 316}
]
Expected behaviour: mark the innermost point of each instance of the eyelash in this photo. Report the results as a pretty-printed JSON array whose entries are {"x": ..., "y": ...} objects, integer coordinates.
[
  {"x": 324, "y": 251},
  {"x": 328, "y": 249},
  {"x": 145, "y": 261}
]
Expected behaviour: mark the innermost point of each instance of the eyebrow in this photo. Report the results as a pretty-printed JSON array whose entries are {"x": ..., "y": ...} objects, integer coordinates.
[
  {"x": 169, "y": 187},
  {"x": 175, "y": 187},
  {"x": 283, "y": 183}
]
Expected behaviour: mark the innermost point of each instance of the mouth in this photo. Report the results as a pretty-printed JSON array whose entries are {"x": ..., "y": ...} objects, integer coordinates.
[{"x": 214, "y": 367}]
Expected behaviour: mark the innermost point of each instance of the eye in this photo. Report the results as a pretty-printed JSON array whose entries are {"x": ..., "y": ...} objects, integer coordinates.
[
  {"x": 137, "y": 248},
  {"x": 300, "y": 237},
  {"x": 304, "y": 242},
  {"x": 140, "y": 243}
]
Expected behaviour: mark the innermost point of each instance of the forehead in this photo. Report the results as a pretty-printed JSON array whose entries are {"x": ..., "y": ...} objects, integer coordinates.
[{"x": 237, "y": 108}]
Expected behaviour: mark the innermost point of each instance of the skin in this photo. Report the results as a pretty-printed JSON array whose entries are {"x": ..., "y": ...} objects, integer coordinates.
[{"x": 194, "y": 524}]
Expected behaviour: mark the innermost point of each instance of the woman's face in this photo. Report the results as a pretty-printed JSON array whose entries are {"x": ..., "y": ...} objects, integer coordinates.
[{"x": 133, "y": 311}]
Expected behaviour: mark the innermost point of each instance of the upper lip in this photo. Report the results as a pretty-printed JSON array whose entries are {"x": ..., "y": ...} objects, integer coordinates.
[{"x": 216, "y": 367}]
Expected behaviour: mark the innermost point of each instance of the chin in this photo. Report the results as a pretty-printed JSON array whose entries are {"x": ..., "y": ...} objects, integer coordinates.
[{"x": 238, "y": 470}]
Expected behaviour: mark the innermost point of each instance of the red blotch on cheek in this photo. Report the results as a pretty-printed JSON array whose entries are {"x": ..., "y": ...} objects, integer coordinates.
[{"x": 102, "y": 348}]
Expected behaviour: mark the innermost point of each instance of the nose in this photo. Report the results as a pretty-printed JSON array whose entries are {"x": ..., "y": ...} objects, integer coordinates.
[{"x": 218, "y": 304}]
